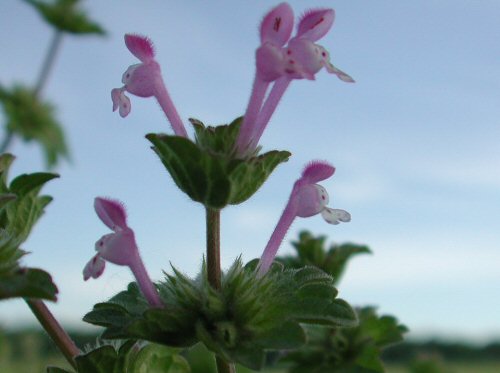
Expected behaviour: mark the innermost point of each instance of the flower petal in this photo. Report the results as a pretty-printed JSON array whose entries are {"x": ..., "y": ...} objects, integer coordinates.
[
  {"x": 94, "y": 268},
  {"x": 270, "y": 62},
  {"x": 340, "y": 74},
  {"x": 142, "y": 79},
  {"x": 315, "y": 23},
  {"x": 120, "y": 101},
  {"x": 118, "y": 248},
  {"x": 335, "y": 216},
  {"x": 111, "y": 212},
  {"x": 316, "y": 171},
  {"x": 277, "y": 25},
  {"x": 140, "y": 46},
  {"x": 311, "y": 200},
  {"x": 303, "y": 58}
]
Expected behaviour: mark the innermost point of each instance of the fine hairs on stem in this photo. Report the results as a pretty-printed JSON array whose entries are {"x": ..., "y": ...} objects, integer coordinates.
[{"x": 214, "y": 271}]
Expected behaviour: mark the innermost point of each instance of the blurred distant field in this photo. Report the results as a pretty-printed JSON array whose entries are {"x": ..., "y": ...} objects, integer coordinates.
[
  {"x": 38, "y": 366},
  {"x": 32, "y": 352},
  {"x": 463, "y": 367}
]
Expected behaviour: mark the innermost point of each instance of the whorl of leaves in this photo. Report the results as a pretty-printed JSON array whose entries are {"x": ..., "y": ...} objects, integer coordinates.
[{"x": 240, "y": 322}]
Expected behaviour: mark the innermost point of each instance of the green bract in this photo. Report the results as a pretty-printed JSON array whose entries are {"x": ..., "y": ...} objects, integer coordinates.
[
  {"x": 129, "y": 358},
  {"x": 240, "y": 322},
  {"x": 65, "y": 16},
  {"x": 207, "y": 171},
  {"x": 20, "y": 208},
  {"x": 32, "y": 119}
]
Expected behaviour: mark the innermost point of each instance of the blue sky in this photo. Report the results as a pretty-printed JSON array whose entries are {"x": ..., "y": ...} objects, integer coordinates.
[{"x": 415, "y": 143}]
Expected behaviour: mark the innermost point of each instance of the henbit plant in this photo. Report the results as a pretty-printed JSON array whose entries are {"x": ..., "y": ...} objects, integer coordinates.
[
  {"x": 223, "y": 166},
  {"x": 244, "y": 314}
]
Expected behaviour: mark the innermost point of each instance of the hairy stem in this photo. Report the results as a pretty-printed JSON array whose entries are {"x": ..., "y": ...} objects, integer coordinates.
[
  {"x": 54, "y": 330},
  {"x": 213, "y": 270},
  {"x": 213, "y": 248}
]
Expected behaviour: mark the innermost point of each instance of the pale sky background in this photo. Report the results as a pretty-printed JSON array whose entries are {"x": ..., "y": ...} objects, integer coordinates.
[{"x": 415, "y": 142}]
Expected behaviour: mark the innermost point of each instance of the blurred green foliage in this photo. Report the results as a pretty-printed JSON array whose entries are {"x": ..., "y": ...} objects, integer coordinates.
[
  {"x": 20, "y": 208},
  {"x": 66, "y": 16},
  {"x": 311, "y": 250},
  {"x": 32, "y": 119}
]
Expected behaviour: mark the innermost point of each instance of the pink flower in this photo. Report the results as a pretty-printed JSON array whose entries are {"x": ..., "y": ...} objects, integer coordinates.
[
  {"x": 145, "y": 80},
  {"x": 119, "y": 248},
  {"x": 301, "y": 58},
  {"x": 307, "y": 199}
]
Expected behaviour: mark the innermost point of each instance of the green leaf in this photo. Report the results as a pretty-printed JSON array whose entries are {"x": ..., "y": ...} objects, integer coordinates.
[
  {"x": 28, "y": 283},
  {"x": 23, "y": 184},
  {"x": 105, "y": 359},
  {"x": 57, "y": 370},
  {"x": 5, "y": 198},
  {"x": 249, "y": 175},
  {"x": 155, "y": 358},
  {"x": 6, "y": 160},
  {"x": 384, "y": 330},
  {"x": 311, "y": 252},
  {"x": 65, "y": 16},
  {"x": 217, "y": 140},
  {"x": 369, "y": 358},
  {"x": 339, "y": 255},
  {"x": 33, "y": 120},
  {"x": 200, "y": 175},
  {"x": 20, "y": 208},
  {"x": 350, "y": 350},
  {"x": 286, "y": 336},
  {"x": 207, "y": 171}
]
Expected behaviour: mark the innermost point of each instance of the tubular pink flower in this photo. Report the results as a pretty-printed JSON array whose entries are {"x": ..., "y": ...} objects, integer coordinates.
[
  {"x": 301, "y": 58},
  {"x": 145, "y": 80},
  {"x": 306, "y": 199},
  {"x": 119, "y": 248},
  {"x": 275, "y": 30}
]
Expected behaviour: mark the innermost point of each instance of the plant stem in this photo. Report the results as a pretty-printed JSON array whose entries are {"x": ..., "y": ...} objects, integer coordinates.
[
  {"x": 54, "y": 330},
  {"x": 48, "y": 63},
  {"x": 213, "y": 270},
  {"x": 41, "y": 81},
  {"x": 213, "y": 248},
  {"x": 223, "y": 366}
]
